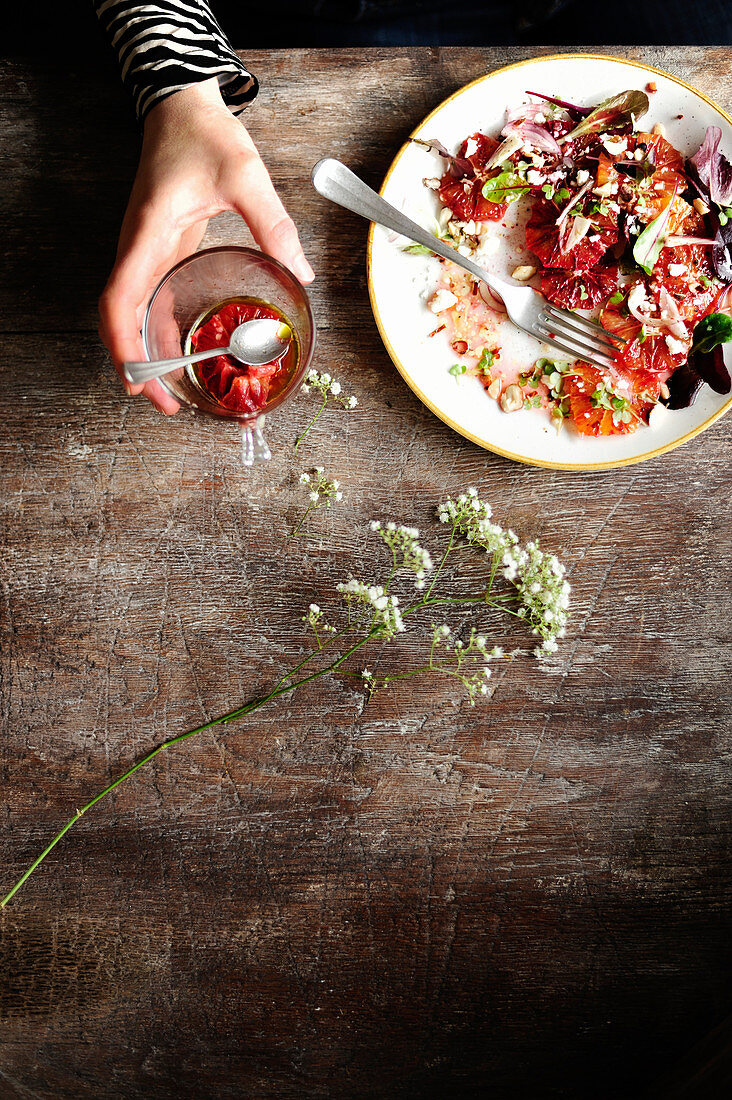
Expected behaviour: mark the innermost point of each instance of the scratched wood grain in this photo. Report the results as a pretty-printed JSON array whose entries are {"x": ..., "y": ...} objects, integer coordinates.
[{"x": 413, "y": 898}]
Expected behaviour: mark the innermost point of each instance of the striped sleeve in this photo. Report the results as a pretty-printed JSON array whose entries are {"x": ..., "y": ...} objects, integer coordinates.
[{"x": 168, "y": 45}]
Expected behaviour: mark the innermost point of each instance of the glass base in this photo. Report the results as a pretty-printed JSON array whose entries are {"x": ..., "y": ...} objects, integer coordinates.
[{"x": 254, "y": 447}]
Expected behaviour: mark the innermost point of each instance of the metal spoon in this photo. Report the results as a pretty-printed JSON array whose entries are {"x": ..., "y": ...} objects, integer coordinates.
[{"x": 253, "y": 343}]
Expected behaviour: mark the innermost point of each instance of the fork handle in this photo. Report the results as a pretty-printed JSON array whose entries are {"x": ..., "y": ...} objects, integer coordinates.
[{"x": 334, "y": 181}]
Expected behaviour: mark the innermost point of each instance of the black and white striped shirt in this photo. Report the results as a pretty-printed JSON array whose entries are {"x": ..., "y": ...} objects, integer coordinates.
[{"x": 168, "y": 45}]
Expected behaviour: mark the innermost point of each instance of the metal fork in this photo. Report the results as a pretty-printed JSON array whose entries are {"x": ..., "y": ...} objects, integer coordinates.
[{"x": 527, "y": 309}]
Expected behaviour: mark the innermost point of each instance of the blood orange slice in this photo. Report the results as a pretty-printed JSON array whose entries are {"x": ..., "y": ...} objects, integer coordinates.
[{"x": 579, "y": 289}]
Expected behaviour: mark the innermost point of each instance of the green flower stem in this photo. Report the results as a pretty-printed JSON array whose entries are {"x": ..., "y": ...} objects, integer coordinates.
[
  {"x": 442, "y": 561},
  {"x": 281, "y": 689},
  {"x": 294, "y": 534},
  {"x": 301, "y": 437}
]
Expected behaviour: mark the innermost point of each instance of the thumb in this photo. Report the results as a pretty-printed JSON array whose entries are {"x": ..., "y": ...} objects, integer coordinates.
[{"x": 272, "y": 227}]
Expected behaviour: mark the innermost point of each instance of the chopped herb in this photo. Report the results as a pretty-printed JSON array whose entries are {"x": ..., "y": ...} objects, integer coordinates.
[
  {"x": 705, "y": 281},
  {"x": 643, "y": 335},
  {"x": 596, "y": 207},
  {"x": 583, "y": 293},
  {"x": 603, "y": 398},
  {"x": 723, "y": 218},
  {"x": 486, "y": 361},
  {"x": 616, "y": 298}
]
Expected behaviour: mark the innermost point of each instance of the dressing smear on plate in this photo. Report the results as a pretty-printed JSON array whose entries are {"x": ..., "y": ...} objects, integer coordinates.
[{"x": 621, "y": 227}]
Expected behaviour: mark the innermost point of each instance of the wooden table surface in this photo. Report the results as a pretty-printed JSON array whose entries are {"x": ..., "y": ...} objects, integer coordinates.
[{"x": 409, "y": 898}]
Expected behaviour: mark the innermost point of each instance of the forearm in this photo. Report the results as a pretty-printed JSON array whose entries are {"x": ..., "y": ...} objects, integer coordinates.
[{"x": 168, "y": 45}]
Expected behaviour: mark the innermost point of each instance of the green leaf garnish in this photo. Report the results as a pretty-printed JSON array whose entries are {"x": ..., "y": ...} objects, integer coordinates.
[
  {"x": 507, "y": 186},
  {"x": 714, "y": 329},
  {"x": 616, "y": 299},
  {"x": 418, "y": 250},
  {"x": 457, "y": 369},
  {"x": 618, "y": 110}
]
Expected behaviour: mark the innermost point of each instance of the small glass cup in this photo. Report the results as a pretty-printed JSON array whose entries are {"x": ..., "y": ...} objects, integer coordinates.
[{"x": 196, "y": 285}]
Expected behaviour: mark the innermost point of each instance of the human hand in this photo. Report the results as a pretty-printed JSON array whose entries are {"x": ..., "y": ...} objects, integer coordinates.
[{"x": 197, "y": 160}]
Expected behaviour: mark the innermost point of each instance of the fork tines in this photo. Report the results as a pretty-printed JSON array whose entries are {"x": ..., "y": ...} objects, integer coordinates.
[{"x": 578, "y": 336}]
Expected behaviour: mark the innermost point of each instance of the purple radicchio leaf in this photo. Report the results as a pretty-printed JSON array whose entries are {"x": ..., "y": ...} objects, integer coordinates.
[
  {"x": 722, "y": 252},
  {"x": 533, "y": 134},
  {"x": 710, "y": 367},
  {"x": 457, "y": 166},
  {"x": 582, "y": 111},
  {"x": 618, "y": 110},
  {"x": 683, "y": 386},
  {"x": 714, "y": 170}
]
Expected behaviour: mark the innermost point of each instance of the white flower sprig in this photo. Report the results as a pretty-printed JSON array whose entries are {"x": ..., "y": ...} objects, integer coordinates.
[
  {"x": 468, "y": 662},
  {"x": 384, "y": 610},
  {"x": 329, "y": 390},
  {"x": 375, "y": 615},
  {"x": 406, "y": 551},
  {"x": 542, "y": 591},
  {"x": 316, "y": 620},
  {"x": 321, "y": 494}
]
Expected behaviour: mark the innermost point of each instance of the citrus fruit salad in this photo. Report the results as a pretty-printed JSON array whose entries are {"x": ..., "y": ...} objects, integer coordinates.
[{"x": 619, "y": 223}]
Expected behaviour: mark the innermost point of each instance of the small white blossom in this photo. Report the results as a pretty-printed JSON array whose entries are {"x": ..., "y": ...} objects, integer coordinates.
[
  {"x": 322, "y": 492},
  {"x": 407, "y": 553},
  {"x": 387, "y": 618},
  {"x": 329, "y": 389}
]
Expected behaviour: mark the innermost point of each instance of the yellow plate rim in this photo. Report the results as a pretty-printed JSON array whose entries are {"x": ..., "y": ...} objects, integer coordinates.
[{"x": 576, "y": 466}]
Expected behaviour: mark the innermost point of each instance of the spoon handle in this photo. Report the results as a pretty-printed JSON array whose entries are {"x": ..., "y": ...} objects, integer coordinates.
[
  {"x": 334, "y": 181},
  {"x": 136, "y": 373}
]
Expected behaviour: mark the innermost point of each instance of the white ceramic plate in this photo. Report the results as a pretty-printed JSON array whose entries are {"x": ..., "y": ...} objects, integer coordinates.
[{"x": 399, "y": 282}]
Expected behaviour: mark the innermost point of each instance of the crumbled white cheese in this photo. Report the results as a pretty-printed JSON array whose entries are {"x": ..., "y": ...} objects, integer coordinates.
[
  {"x": 534, "y": 177},
  {"x": 442, "y": 300},
  {"x": 471, "y": 147},
  {"x": 676, "y": 347},
  {"x": 594, "y": 237},
  {"x": 605, "y": 190},
  {"x": 657, "y": 415},
  {"x": 433, "y": 184},
  {"x": 676, "y": 269},
  {"x": 489, "y": 245},
  {"x": 614, "y": 144},
  {"x": 582, "y": 176}
]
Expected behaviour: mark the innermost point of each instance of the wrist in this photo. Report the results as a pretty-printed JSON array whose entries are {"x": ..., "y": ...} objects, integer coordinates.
[{"x": 204, "y": 95}]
